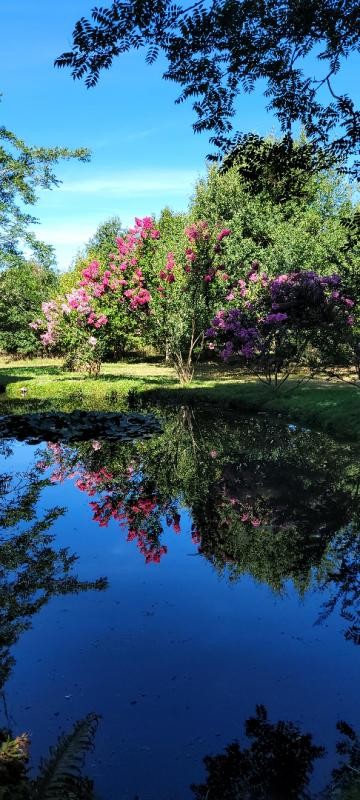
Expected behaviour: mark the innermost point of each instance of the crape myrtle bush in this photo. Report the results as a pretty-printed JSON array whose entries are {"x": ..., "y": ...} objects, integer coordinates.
[
  {"x": 274, "y": 324},
  {"x": 277, "y": 324},
  {"x": 171, "y": 293}
]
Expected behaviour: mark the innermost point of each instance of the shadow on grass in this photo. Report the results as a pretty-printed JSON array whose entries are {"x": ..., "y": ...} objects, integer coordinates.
[
  {"x": 329, "y": 407},
  {"x": 5, "y": 380},
  {"x": 111, "y": 379},
  {"x": 32, "y": 371}
]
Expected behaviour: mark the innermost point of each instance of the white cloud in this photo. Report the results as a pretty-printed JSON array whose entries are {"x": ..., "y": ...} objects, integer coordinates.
[
  {"x": 65, "y": 234},
  {"x": 135, "y": 183}
]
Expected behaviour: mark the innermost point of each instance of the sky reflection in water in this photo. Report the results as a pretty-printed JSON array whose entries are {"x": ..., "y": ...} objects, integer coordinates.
[{"x": 218, "y": 569}]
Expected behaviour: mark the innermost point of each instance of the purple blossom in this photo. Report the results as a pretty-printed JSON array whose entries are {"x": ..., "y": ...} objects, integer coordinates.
[{"x": 273, "y": 319}]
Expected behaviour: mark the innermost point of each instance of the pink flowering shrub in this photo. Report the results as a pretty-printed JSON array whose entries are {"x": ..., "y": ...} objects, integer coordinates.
[
  {"x": 179, "y": 292},
  {"x": 78, "y": 323},
  {"x": 277, "y": 324},
  {"x": 168, "y": 296}
]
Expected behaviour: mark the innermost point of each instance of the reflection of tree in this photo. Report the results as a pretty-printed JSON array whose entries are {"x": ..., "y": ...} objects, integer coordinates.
[
  {"x": 276, "y": 766},
  {"x": 123, "y": 491},
  {"x": 31, "y": 569},
  {"x": 59, "y": 775},
  {"x": 345, "y": 782},
  {"x": 267, "y": 499},
  {"x": 340, "y": 574}
]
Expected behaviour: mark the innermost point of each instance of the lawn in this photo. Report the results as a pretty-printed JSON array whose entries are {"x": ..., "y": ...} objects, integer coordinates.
[{"x": 330, "y": 406}]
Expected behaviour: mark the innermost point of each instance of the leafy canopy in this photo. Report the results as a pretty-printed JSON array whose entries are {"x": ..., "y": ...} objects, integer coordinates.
[
  {"x": 218, "y": 50},
  {"x": 23, "y": 287}
]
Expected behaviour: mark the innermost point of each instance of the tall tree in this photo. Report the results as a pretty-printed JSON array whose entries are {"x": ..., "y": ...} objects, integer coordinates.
[
  {"x": 219, "y": 49},
  {"x": 24, "y": 169},
  {"x": 23, "y": 287}
]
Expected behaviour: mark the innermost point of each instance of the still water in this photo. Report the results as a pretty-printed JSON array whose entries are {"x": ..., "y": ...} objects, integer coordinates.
[{"x": 199, "y": 590}]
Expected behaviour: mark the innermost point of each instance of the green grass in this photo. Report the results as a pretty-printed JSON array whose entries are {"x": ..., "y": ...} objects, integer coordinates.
[{"x": 332, "y": 407}]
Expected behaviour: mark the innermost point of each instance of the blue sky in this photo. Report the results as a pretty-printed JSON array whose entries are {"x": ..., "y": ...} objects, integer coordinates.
[{"x": 144, "y": 152}]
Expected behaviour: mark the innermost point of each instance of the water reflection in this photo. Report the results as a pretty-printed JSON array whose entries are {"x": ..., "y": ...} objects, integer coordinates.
[
  {"x": 276, "y": 502},
  {"x": 278, "y": 763},
  {"x": 275, "y": 763},
  {"x": 32, "y": 568},
  {"x": 249, "y": 496}
]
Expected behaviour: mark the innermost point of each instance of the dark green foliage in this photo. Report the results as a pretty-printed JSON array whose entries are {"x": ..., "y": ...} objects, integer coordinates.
[
  {"x": 280, "y": 168},
  {"x": 23, "y": 287},
  {"x": 218, "y": 50},
  {"x": 276, "y": 766}
]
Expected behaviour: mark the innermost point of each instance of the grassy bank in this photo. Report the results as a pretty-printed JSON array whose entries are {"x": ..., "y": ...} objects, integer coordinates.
[{"x": 333, "y": 407}]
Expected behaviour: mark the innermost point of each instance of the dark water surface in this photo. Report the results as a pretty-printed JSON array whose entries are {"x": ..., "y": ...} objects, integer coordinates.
[{"x": 215, "y": 594}]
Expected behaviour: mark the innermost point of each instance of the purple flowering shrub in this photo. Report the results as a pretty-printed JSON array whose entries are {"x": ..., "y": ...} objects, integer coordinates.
[{"x": 277, "y": 325}]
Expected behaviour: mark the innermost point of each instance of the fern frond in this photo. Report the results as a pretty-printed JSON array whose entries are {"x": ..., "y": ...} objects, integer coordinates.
[{"x": 65, "y": 761}]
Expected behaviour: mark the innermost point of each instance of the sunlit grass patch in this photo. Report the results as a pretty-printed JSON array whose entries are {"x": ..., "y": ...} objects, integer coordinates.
[{"x": 42, "y": 383}]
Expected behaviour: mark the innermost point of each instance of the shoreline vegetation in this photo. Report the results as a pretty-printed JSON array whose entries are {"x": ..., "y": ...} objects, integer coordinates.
[{"x": 43, "y": 384}]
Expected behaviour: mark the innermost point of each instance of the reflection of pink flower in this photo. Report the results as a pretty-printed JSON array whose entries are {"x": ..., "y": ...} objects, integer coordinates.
[
  {"x": 196, "y": 538},
  {"x": 96, "y": 445},
  {"x": 256, "y": 522}
]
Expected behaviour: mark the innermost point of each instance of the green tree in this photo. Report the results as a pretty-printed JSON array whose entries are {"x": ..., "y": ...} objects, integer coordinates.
[
  {"x": 23, "y": 170},
  {"x": 305, "y": 232},
  {"x": 23, "y": 287},
  {"x": 218, "y": 50}
]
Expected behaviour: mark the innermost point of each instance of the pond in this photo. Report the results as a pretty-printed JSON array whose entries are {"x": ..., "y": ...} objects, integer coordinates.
[{"x": 199, "y": 590}]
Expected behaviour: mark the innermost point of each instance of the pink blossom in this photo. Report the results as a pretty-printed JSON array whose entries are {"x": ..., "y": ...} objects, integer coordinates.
[
  {"x": 101, "y": 320},
  {"x": 190, "y": 254},
  {"x": 223, "y": 233},
  {"x": 98, "y": 290}
]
